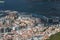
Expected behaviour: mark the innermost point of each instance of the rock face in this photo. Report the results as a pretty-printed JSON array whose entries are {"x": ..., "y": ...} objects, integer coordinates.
[{"x": 45, "y": 7}]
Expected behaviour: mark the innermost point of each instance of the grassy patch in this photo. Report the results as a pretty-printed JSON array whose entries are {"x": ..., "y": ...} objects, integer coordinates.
[{"x": 55, "y": 37}]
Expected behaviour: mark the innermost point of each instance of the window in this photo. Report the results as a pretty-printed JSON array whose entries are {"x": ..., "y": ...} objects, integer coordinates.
[
  {"x": 17, "y": 28},
  {"x": 8, "y": 30},
  {"x": 2, "y": 30}
]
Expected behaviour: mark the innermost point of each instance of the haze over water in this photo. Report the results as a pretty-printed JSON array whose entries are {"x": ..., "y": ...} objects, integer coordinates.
[{"x": 32, "y": 6}]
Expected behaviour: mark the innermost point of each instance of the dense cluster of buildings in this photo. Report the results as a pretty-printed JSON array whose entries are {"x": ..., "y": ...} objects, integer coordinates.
[{"x": 24, "y": 27}]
